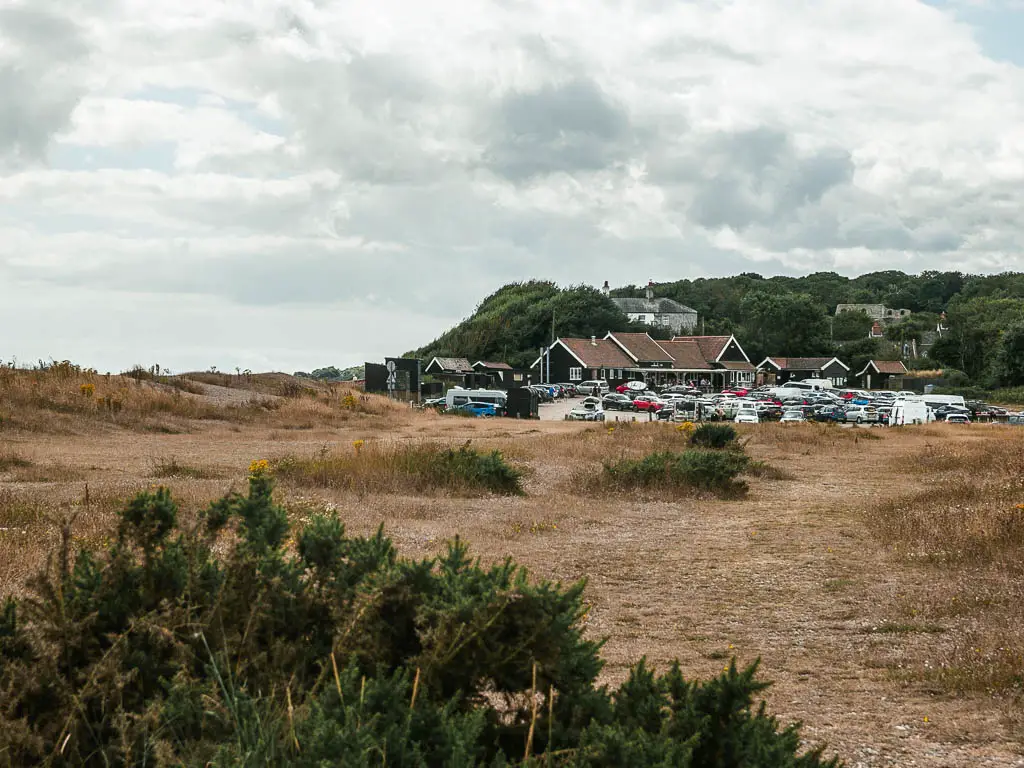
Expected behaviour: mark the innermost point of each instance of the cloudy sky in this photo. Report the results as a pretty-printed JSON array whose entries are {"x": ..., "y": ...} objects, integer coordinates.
[{"x": 284, "y": 184}]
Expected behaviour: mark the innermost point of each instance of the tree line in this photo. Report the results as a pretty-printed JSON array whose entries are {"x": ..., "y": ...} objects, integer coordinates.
[{"x": 785, "y": 316}]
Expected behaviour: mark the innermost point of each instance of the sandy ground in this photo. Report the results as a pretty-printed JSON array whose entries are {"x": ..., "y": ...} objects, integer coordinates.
[{"x": 789, "y": 575}]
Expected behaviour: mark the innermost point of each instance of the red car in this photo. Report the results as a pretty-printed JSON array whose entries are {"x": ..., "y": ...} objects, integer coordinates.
[
  {"x": 738, "y": 391},
  {"x": 647, "y": 403}
]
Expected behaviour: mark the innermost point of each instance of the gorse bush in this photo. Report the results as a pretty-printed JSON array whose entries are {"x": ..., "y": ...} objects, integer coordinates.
[
  {"x": 413, "y": 468},
  {"x": 236, "y": 641},
  {"x": 713, "y": 436},
  {"x": 714, "y": 471}
]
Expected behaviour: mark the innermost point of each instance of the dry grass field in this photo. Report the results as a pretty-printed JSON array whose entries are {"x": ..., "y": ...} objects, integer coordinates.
[{"x": 878, "y": 573}]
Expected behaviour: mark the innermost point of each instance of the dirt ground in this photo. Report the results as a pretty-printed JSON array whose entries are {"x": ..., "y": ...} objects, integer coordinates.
[{"x": 790, "y": 574}]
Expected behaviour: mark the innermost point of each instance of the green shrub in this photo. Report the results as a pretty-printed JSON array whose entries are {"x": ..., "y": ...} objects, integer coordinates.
[
  {"x": 1009, "y": 396},
  {"x": 714, "y": 436},
  {"x": 714, "y": 471},
  {"x": 218, "y": 643}
]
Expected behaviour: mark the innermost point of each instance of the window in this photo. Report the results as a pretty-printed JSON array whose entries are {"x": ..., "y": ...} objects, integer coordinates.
[{"x": 575, "y": 374}]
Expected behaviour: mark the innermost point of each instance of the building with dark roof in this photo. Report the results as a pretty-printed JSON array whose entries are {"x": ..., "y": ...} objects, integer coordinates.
[
  {"x": 620, "y": 357},
  {"x": 658, "y": 312},
  {"x": 883, "y": 374},
  {"x": 779, "y": 370}
]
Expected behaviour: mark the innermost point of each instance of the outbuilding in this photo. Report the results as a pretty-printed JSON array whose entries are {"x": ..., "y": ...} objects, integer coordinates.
[{"x": 883, "y": 374}]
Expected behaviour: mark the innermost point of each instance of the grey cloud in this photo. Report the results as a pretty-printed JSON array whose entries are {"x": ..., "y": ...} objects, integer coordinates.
[
  {"x": 569, "y": 127},
  {"x": 39, "y": 82},
  {"x": 759, "y": 175}
]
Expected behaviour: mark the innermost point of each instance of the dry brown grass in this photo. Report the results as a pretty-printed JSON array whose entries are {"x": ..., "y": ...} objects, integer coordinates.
[
  {"x": 597, "y": 444},
  {"x": 172, "y": 468},
  {"x": 965, "y": 530},
  {"x": 809, "y": 438},
  {"x": 65, "y": 398}
]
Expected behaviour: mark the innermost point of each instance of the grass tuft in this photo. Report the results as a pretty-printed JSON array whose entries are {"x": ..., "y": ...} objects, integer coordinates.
[
  {"x": 9, "y": 461},
  {"x": 172, "y": 468},
  {"x": 391, "y": 468}
]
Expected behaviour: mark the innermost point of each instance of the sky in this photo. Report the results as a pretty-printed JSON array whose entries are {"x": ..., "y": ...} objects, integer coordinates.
[{"x": 289, "y": 184}]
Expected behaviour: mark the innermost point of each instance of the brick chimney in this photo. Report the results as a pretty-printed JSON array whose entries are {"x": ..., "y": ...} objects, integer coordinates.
[
  {"x": 650, "y": 289},
  {"x": 606, "y": 289}
]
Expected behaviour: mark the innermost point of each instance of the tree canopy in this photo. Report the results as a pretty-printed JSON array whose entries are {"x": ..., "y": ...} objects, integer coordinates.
[{"x": 790, "y": 316}]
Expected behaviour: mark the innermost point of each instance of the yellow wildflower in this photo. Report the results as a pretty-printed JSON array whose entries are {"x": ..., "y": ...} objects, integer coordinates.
[
  {"x": 259, "y": 468},
  {"x": 357, "y": 444},
  {"x": 87, "y": 390}
]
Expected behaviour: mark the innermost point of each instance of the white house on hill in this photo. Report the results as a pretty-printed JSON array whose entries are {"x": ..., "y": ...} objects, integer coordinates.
[{"x": 663, "y": 313}]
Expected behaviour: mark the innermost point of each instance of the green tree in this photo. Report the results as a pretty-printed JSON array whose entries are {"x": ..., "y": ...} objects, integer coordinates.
[
  {"x": 850, "y": 326},
  {"x": 1008, "y": 365},
  {"x": 784, "y": 324}
]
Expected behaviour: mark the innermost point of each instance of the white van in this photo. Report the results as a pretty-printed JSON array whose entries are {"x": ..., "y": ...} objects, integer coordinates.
[
  {"x": 816, "y": 384},
  {"x": 782, "y": 393},
  {"x": 458, "y": 396},
  {"x": 936, "y": 401},
  {"x": 906, "y": 411},
  {"x": 597, "y": 387}
]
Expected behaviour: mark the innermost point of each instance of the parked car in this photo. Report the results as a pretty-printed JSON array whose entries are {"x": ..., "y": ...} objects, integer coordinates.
[
  {"x": 589, "y": 410},
  {"x": 485, "y": 410},
  {"x": 437, "y": 403},
  {"x": 860, "y": 414},
  {"x": 592, "y": 387},
  {"x": 792, "y": 417},
  {"x": 569, "y": 390},
  {"x": 746, "y": 416},
  {"x": 614, "y": 401},
  {"x": 648, "y": 403},
  {"x": 958, "y": 418}
]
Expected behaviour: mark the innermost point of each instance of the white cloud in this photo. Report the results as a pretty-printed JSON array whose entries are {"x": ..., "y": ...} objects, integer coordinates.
[{"x": 297, "y": 158}]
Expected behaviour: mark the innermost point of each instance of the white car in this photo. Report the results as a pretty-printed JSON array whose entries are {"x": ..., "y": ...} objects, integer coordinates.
[
  {"x": 589, "y": 410},
  {"x": 747, "y": 416}
]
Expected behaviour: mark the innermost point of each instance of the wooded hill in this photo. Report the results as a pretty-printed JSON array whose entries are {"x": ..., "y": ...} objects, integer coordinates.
[{"x": 791, "y": 316}]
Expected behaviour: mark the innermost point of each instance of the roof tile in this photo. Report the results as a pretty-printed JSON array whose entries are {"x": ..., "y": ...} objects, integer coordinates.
[
  {"x": 598, "y": 353},
  {"x": 642, "y": 347}
]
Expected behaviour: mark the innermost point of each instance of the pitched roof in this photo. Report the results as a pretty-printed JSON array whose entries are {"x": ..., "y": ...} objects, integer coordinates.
[
  {"x": 599, "y": 353},
  {"x": 710, "y": 346},
  {"x": 493, "y": 366},
  {"x": 654, "y": 306},
  {"x": 451, "y": 364},
  {"x": 686, "y": 355},
  {"x": 640, "y": 346},
  {"x": 894, "y": 367},
  {"x": 801, "y": 363},
  {"x": 740, "y": 365}
]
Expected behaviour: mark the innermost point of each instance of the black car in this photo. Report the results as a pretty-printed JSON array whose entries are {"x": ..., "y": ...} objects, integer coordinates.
[{"x": 616, "y": 402}]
